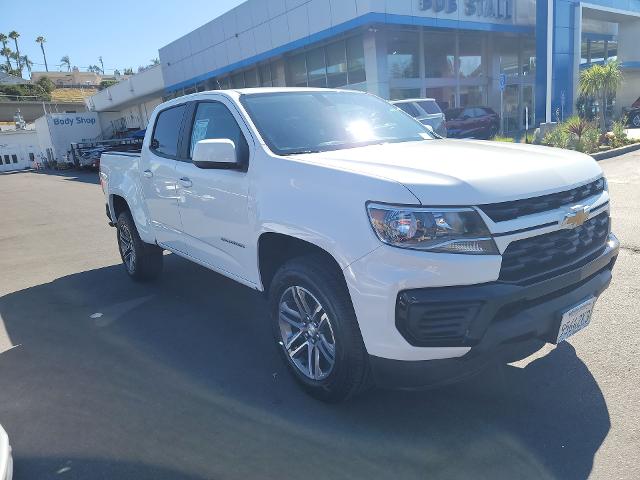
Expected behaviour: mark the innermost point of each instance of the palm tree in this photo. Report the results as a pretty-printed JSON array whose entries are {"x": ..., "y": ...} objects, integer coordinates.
[
  {"x": 6, "y": 53},
  {"x": 3, "y": 39},
  {"x": 600, "y": 81},
  {"x": 155, "y": 61},
  {"x": 41, "y": 41},
  {"x": 101, "y": 64},
  {"x": 14, "y": 36},
  {"x": 66, "y": 61},
  {"x": 26, "y": 61}
]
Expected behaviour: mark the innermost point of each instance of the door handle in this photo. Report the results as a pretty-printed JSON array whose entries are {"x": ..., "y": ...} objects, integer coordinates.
[
  {"x": 147, "y": 174},
  {"x": 186, "y": 182}
]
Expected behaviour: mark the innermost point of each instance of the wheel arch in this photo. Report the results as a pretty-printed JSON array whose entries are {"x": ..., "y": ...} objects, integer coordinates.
[{"x": 275, "y": 249}]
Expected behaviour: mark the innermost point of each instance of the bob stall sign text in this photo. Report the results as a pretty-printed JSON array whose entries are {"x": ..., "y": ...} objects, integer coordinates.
[{"x": 481, "y": 8}]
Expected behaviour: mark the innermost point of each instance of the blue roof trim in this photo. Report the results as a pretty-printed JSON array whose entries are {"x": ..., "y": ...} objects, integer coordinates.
[{"x": 369, "y": 18}]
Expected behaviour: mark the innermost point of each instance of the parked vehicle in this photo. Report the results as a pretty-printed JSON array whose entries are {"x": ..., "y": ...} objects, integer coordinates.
[
  {"x": 633, "y": 114},
  {"x": 472, "y": 122},
  {"x": 388, "y": 256},
  {"x": 426, "y": 111},
  {"x": 6, "y": 460}
]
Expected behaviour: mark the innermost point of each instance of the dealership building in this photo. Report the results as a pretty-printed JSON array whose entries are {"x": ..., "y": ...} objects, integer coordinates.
[{"x": 516, "y": 56}]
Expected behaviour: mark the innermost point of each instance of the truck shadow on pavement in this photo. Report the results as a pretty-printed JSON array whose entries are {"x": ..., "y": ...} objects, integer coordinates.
[{"x": 180, "y": 379}]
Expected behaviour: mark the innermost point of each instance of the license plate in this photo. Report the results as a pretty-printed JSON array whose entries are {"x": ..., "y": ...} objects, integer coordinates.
[{"x": 575, "y": 319}]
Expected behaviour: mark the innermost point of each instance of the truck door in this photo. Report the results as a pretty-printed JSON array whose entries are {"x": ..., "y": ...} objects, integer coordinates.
[
  {"x": 159, "y": 177},
  {"x": 214, "y": 202}
]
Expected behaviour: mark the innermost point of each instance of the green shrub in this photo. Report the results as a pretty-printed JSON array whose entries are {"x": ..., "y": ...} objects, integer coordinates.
[
  {"x": 619, "y": 137},
  {"x": 46, "y": 84},
  {"x": 590, "y": 139},
  {"x": 558, "y": 137}
]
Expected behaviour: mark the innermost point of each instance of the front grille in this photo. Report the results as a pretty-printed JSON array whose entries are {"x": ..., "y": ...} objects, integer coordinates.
[
  {"x": 500, "y": 212},
  {"x": 546, "y": 255},
  {"x": 434, "y": 323}
]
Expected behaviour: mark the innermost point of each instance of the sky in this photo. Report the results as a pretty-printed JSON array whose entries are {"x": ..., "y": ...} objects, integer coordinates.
[{"x": 124, "y": 33}]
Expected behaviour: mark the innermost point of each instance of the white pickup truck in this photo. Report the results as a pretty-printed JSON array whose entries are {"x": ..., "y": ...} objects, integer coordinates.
[{"x": 389, "y": 256}]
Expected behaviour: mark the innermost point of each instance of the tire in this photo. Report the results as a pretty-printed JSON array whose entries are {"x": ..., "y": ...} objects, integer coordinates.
[
  {"x": 635, "y": 120},
  {"x": 317, "y": 280},
  {"x": 142, "y": 261}
]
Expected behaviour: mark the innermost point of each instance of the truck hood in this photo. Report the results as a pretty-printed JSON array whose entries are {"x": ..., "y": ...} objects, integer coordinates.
[{"x": 465, "y": 172}]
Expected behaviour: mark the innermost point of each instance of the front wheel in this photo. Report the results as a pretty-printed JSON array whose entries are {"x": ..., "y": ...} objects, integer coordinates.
[
  {"x": 142, "y": 261},
  {"x": 316, "y": 330}
]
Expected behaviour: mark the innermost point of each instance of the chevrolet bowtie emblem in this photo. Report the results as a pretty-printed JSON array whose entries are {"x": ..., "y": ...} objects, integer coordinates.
[{"x": 576, "y": 217}]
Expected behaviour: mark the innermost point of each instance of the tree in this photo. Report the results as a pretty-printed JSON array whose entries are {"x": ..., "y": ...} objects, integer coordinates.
[
  {"x": 155, "y": 61},
  {"x": 6, "y": 52},
  {"x": 14, "y": 36},
  {"x": 27, "y": 63},
  {"x": 101, "y": 63},
  {"x": 128, "y": 71},
  {"x": 66, "y": 62},
  {"x": 41, "y": 41},
  {"x": 94, "y": 69},
  {"x": 116, "y": 72},
  {"x": 47, "y": 84},
  {"x": 600, "y": 81}
]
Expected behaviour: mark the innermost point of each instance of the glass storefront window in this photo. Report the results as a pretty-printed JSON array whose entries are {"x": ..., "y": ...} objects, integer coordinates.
[
  {"x": 439, "y": 54},
  {"x": 597, "y": 51},
  {"x": 470, "y": 56},
  {"x": 445, "y": 96},
  {"x": 402, "y": 54},
  {"x": 336, "y": 65},
  {"x": 298, "y": 70},
  {"x": 508, "y": 57},
  {"x": 355, "y": 60},
  {"x": 404, "y": 93},
  {"x": 316, "y": 68},
  {"x": 265, "y": 75},
  {"x": 237, "y": 80},
  {"x": 251, "y": 78},
  {"x": 472, "y": 95},
  {"x": 529, "y": 57}
]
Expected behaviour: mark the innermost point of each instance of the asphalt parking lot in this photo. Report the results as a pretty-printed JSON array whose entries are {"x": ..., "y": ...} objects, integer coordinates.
[{"x": 103, "y": 378}]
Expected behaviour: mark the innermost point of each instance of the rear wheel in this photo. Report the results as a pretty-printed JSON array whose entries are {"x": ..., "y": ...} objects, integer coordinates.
[
  {"x": 316, "y": 330},
  {"x": 635, "y": 120},
  {"x": 142, "y": 261}
]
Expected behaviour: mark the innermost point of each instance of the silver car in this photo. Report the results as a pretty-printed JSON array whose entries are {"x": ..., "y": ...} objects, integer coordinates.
[{"x": 425, "y": 110}]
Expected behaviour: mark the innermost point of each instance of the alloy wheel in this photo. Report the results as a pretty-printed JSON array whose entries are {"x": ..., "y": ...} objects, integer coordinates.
[
  {"x": 636, "y": 120},
  {"x": 306, "y": 333},
  {"x": 126, "y": 248}
]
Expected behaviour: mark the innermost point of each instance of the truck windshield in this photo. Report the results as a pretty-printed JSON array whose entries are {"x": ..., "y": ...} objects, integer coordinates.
[{"x": 311, "y": 122}]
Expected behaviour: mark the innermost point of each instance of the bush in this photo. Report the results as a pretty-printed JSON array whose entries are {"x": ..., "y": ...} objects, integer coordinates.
[
  {"x": 590, "y": 140},
  {"x": 107, "y": 83},
  {"x": 619, "y": 137},
  {"x": 46, "y": 84},
  {"x": 558, "y": 137},
  {"x": 27, "y": 90}
]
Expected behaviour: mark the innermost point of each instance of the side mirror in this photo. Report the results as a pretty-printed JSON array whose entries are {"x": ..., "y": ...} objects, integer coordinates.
[{"x": 215, "y": 153}]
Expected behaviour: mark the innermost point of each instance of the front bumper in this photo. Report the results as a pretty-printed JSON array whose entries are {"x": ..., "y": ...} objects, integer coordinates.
[
  {"x": 6, "y": 460},
  {"x": 507, "y": 320}
]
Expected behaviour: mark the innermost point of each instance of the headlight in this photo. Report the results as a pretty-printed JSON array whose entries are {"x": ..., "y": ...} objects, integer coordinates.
[{"x": 446, "y": 230}]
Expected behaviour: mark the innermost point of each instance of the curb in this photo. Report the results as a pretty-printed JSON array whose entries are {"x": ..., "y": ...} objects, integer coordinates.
[{"x": 615, "y": 152}]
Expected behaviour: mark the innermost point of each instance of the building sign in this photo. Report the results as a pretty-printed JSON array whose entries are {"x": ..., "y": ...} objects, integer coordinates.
[
  {"x": 71, "y": 121},
  {"x": 500, "y": 9}
]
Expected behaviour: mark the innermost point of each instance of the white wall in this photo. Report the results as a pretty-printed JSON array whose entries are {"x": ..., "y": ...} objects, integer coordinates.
[
  {"x": 130, "y": 91},
  {"x": 59, "y": 130},
  {"x": 19, "y": 143}
]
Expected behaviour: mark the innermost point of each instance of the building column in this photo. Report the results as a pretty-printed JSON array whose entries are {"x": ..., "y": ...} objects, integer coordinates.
[
  {"x": 629, "y": 57},
  {"x": 375, "y": 61}
]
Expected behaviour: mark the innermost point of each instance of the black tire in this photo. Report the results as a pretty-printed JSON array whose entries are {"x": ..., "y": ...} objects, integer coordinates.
[
  {"x": 635, "y": 120},
  {"x": 147, "y": 259},
  {"x": 350, "y": 373}
]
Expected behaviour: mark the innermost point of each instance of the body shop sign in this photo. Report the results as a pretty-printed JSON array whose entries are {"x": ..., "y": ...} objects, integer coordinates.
[
  {"x": 71, "y": 121},
  {"x": 500, "y": 9}
]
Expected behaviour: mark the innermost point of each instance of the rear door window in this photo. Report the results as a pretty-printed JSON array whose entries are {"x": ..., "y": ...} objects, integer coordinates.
[
  {"x": 166, "y": 132},
  {"x": 430, "y": 107},
  {"x": 409, "y": 108}
]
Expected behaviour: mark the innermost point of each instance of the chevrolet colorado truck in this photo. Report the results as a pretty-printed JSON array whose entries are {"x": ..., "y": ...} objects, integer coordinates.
[{"x": 389, "y": 256}]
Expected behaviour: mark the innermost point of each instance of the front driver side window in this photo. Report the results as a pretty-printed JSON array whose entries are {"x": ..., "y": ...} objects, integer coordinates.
[{"x": 213, "y": 120}]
